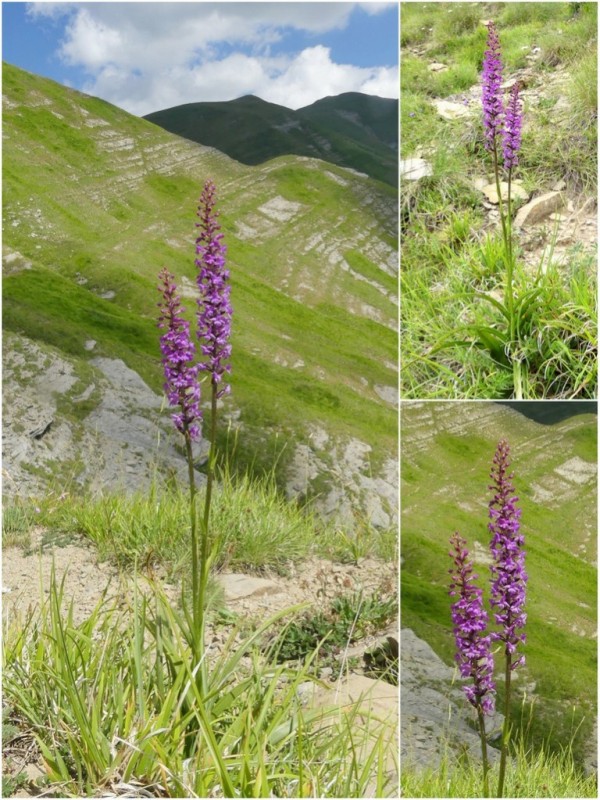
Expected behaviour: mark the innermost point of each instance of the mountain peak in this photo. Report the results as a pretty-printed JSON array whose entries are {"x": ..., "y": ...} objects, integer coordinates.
[{"x": 352, "y": 130}]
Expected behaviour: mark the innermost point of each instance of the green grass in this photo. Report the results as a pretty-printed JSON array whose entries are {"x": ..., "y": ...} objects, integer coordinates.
[
  {"x": 532, "y": 774},
  {"x": 444, "y": 489},
  {"x": 18, "y": 519},
  {"x": 559, "y": 342},
  {"x": 254, "y": 527},
  {"x": 116, "y": 701}
]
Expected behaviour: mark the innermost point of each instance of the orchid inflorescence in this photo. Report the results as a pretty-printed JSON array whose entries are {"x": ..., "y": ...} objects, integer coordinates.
[
  {"x": 214, "y": 323},
  {"x": 508, "y": 567},
  {"x": 469, "y": 617},
  {"x": 214, "y": 307},
  {"x": 499, "y": 120},
  {"x": 507, "y": 590},
  {"x": 507, "y": 599},
  {"x": 178, "y": 351}
]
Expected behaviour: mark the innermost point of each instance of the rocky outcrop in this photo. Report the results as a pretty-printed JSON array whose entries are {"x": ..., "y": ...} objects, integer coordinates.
[
  {"x": 100, "y": 426},
  {"x": 343, "y": 468},
  {"x": 100, "y": 429},
  {"x": 435, "y": 718}
]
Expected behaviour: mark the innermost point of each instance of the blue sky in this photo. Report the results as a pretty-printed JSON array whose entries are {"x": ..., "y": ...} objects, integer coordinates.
[{"x": 148, "y": 56}]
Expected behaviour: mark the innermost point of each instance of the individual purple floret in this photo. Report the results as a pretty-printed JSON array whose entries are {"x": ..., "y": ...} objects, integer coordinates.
[
  {"x": 469, "y": 618},
  {"x": 508, "y": 569},
  {"x": 492, "y": 92},
  {"x": 214, "y": 308},
  {"x": 181, "y": 376},
  {"x": 511, "y": 132}
]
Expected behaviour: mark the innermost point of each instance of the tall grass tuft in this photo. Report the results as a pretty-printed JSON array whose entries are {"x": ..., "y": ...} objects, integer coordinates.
[
  {"x": 114, "y": 706},
  {"x": 532, "y": 773}
]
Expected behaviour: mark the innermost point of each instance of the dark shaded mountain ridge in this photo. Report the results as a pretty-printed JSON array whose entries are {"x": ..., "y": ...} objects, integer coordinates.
[{"x": 351, "y": 130}]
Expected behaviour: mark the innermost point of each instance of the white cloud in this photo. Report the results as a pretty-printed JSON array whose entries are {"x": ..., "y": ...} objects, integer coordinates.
[
  {"x": 312, "y": 74},
  {"x": 90, "y": 42},
  {"x": 148, "y": 56}
]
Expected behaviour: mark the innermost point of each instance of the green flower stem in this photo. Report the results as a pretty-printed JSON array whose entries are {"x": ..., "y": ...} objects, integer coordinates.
[
  {"x": 204, "y": 565},
  {"x": 196, "y": 608},
  {"x": 200, "y": 565},
  {"x": 484, "y": 758},
  {"x": 508, "y": 298},
  {"x": 506, "y": 727},
  {"x": 519, "y": 374},
  {"x": 510, "y": 264},
  {"x": 499, "y": 192},
  {"x": 509, "y": 301}
]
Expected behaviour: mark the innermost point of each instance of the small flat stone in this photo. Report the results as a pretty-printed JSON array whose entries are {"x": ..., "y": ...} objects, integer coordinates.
[
  {"x": 237, "y": 586},
  {"x": 539, "y": 208},
  {"x": 413, "y": 169},
  {"x": 34, "y": 772},
  {"x": 480, "y": 183},
  {"x": 435, "y": 67},
  {"x": 449, "y": 110},
  {"x": 491, "y": 192}
]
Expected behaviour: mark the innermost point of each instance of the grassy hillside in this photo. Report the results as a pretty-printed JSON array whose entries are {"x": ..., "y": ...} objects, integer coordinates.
[
  {"x": 352, "y": 130},
  {"x": 447, "y": 451},
  {"x": 96, "y": 201}
]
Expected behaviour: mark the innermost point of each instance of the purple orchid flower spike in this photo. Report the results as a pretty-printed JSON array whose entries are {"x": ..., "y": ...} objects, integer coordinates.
[
  {"x": 181, "y": 375},
  {"x": 509, "y": 578},
  {"x": 492, "y": 92},
  {"x": 214, "y": 307},
  {"x": 511, "y": 132},
  {"x": 473, "y": 654}
]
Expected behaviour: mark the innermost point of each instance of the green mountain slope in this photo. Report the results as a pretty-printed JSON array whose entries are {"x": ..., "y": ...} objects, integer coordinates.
[
  {"x": 352, "y": 130},
  {"x": 96, "y": 201},
  {"x": 447, "y": 451}
]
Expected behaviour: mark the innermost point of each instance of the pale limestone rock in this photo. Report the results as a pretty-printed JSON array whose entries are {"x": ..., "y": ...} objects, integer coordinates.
[
  {"x": 237, "y": 586},
  {"x": 480, "y": 183},
  {"x": 413, "y": 169},
  {"x": 449, "y": 110},
  {"x": 539, "y": 208},
  {"x": 518, "y": 193}
]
